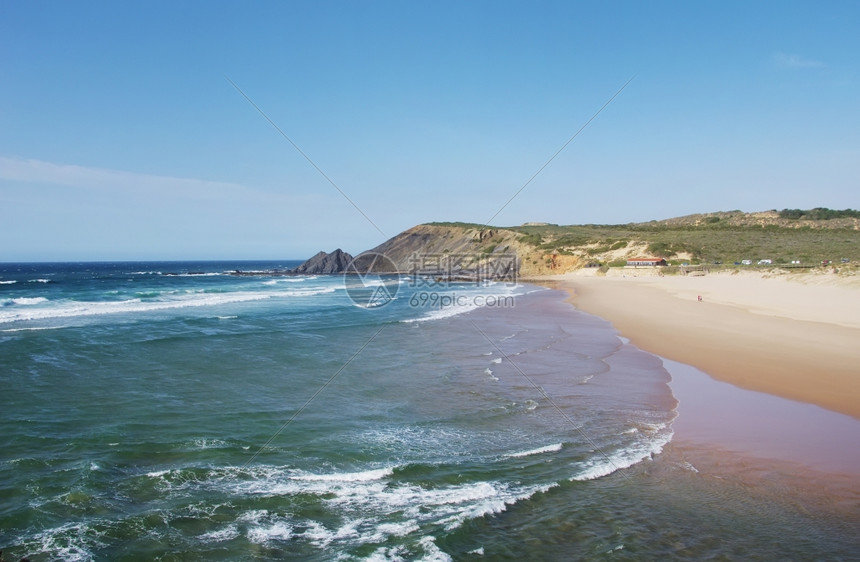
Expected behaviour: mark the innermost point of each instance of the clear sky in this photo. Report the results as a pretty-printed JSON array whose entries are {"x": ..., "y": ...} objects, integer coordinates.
[{"x": 122, "y": 137}]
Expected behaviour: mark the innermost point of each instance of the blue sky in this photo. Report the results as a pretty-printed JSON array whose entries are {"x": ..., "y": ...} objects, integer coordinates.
[{"x": 121, "y": 136}]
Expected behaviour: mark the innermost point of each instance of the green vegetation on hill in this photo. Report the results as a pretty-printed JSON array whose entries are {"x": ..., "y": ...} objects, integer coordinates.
[
  {"x": 781, "y": 236},
  {"x": 709, "y": 242},
  {"x": 818, "y": 214},
  {"x": 468, "y": 225}
]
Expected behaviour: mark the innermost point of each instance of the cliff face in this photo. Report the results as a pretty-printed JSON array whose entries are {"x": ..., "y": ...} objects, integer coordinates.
[
  {"x": 457, "y": 251},
  {"x": 465, "y": 250},
  {"x": 470, "y": 250}
]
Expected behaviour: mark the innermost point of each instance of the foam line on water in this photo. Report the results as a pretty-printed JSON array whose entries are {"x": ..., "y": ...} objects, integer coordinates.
[
  {"x": 625, "y": 457},
  {"x": 456, "y": 301},
  {"x": 367, "y": 498},
  {"x": 539, "y": 451},
  {"x": 39, "y": 308}
]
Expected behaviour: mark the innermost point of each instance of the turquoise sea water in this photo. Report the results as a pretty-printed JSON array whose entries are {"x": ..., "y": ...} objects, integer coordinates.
[{"x": 173, "y": 411}]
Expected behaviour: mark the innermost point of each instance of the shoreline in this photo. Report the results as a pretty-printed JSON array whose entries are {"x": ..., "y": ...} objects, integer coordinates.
[
  {"x": 720, "y": 423},
  {"x": 723, "y": 417},
  {"x": 744, "y": 331}
]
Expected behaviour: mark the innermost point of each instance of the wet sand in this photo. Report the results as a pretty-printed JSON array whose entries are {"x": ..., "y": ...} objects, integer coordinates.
[
  {"x": 762, "y": 368},
  {"x": 744, "y": 331},
  {"x": 720, "y": 415}
]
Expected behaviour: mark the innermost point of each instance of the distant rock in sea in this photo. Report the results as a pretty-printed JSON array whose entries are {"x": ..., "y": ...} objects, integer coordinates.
[{"x": 335, "y": 262}]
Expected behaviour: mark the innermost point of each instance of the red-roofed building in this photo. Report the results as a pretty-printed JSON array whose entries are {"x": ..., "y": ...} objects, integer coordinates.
[{"x": 645, "y": 262}]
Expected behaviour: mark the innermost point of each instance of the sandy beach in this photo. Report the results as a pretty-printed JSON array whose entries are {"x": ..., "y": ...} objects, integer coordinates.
[{"x": 796, "y": 336}]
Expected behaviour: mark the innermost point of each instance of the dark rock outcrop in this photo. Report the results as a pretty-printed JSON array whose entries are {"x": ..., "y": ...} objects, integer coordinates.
[
  {"x": 467, "y": 252},
  {"x": 323, "y": 263}
]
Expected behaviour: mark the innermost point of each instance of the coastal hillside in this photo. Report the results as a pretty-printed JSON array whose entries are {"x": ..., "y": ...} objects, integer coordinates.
[
  {"x": 788, "y": 237},
  {"x": 791, "y": 237},
  {"x": 468, "y": 247},
  {"x": 819, "y": 218}
]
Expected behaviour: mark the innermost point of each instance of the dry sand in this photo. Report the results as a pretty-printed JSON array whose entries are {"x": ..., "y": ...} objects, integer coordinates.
[{"x": 794, "y": 336}]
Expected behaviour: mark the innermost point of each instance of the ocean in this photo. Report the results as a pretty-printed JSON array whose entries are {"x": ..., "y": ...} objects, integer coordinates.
[{"x": 182, "y": 411}]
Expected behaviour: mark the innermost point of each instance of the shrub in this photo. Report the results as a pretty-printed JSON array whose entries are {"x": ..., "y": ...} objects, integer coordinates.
[
  {"x": 818, "y": 214},
  {"x": 533, "y": 239},
  {"x": 660, "y": 249}
]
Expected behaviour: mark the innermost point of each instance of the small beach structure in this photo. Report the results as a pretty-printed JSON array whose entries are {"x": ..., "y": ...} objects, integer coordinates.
[{"x": 645, "y": 262}]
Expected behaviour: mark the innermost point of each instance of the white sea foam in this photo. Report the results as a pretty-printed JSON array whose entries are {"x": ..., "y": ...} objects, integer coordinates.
[
  {"x": 70, "y": 309},
  {"x": 23, "y": 301},
  {"x": 9, "y": 282},
  {"x": 386, "y": 554},
  {"x": 299, "y": 278},
  {"x": 432, "y": 552},
  {"x": 317, "y": 534},
  {"x": 293, "y": 281},
  {"x": 539, "y": 451},
  {"x": 309, "y": 292},
  {"x": 497, "y": 501},
  {"x": 264, "y": 527},
  {"x": 605, "y": 464},
  {"x": 365, "y": 501},
  {"x": 497, "y": 360},
  {"x": 445, "y": 304},
  {"x": 204, "y": 444},
  {"x": 39, "y": 280},
  {"x": 399, "y": 440},
  {"x": 228, "y": 533},
  {"x": 253, "y": 516},
  {"x": 70, "y": 542},
  {"x": 278, "y": 530},
  {"x": 281, "y": 280},
  {"x": 395, "y": 530},
  {"x": 363, "y": 476},
  {"x": 445, "y": 312}
]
